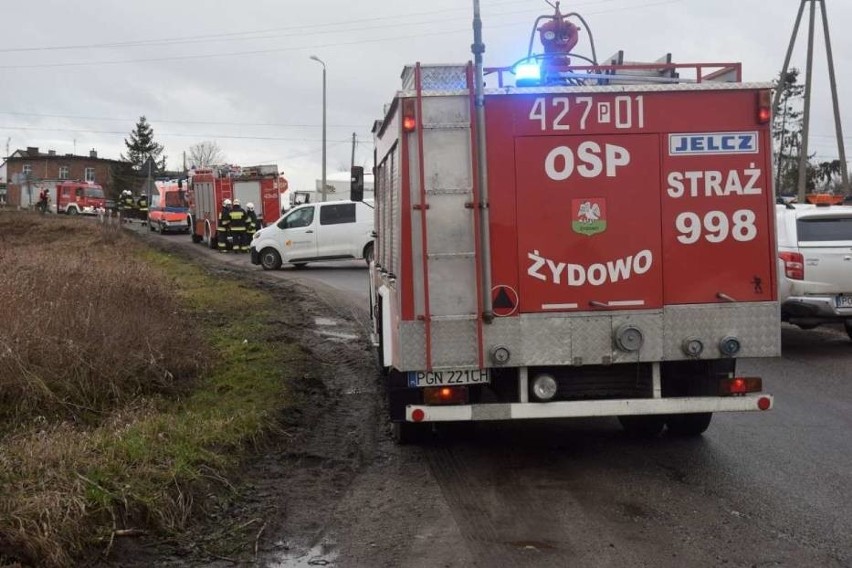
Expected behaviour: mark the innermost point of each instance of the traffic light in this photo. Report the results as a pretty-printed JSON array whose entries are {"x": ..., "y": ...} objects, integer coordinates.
[{"x": 356, "y": 189}]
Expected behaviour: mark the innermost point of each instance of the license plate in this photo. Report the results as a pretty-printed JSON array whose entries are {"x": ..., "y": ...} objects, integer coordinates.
[
  {"x": 844, "y": 301},
  {"x": 448, "y": 378}
]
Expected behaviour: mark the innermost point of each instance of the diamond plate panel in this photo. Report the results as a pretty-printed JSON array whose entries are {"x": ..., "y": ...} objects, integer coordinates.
[
  {"x": 505, "y": 332},
  {"x": 454, "y": 344},
  {"x": 757, "y": 325},
  {"x": 412, "y": 349},
  {"x": 446, "y": 159},
  {"x": 591, "y": 340},
  {"x": 435, "y": 77},
  {"x": 546, "y": 341},
  {"x": 447, "y": 112}
]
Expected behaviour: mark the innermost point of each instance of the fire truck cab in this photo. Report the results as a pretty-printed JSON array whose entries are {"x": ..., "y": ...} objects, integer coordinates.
[{"x": 614, "y": 258}]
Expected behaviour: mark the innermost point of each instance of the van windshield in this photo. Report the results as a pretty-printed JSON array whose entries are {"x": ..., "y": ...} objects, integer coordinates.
[
  {"x": 175, "y": 199},
  {"x": 825, "y": 229}
]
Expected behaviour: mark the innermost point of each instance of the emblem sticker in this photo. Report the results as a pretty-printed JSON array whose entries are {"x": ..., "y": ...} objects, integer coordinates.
[{"x": 588, "y": 216}]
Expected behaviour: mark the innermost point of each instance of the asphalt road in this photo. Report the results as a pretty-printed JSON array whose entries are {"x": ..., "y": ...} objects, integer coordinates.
[{"x": 758, "y": 489}]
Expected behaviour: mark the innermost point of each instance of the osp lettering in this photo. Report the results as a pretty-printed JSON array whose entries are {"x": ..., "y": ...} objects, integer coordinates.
[{"x": 591, "y": 161}]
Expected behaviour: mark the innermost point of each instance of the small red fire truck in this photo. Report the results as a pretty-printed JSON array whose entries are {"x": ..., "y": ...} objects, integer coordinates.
[
  {"x": 574, "y": 240},
  {"x": 77, "y": 197},
  {"x": 209, "y": 187}
]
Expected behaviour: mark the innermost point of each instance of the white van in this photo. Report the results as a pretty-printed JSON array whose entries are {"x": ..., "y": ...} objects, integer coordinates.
[{"x": 316, "y": 232}]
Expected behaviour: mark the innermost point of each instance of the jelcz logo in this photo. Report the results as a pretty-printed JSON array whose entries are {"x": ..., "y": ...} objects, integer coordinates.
[{"x": 700, "y": 143}]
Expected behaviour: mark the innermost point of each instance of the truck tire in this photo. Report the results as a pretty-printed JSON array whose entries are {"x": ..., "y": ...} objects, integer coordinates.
[
  {"x": 368, "y": 253},
  {"x": 641, "y": 427},
  {"x": 299, "y": 265},
  {"x": 405, "y": 433},
  {"x": 689, "y": 425},
  {"x": 848, "y": 325},
  {"x": 72, "y": 211},
  {"x": 270, "y": 259}
]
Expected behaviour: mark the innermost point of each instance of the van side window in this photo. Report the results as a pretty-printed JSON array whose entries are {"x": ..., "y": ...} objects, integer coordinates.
[
  {"x": 337, "y": 214},
  {"x": 298, "y": 218}
]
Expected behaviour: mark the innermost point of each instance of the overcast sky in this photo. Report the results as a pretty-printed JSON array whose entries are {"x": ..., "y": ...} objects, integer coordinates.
[{"x": 239, "y": 73}]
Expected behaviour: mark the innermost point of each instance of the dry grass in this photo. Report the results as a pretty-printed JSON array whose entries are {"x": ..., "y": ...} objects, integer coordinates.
[
  {"x": 110, "y": 422},
  {"x": 87, "y": 325}
]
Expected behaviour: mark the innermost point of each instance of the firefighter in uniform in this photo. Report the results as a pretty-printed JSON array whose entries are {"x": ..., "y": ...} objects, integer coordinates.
[
  {"x": 253, "y": 223},
  {"x": 126, "y": 205},
  {"x": 142, "y": 208},
  {"x": 238, "y": 227},
  {"x": 224, "y": 223}
]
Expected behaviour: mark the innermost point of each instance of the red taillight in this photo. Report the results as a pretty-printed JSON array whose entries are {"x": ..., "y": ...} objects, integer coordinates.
[
  {"x": 764, "y": 107},
  {"x": 409, "y": 118},
  {"x": 445, "y": 395},
  {"x": 794, "y": 265},
  {"x": 740, "y": 385}
]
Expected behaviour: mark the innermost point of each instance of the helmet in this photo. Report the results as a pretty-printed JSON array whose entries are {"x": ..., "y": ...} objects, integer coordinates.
[
  {"x": 250, "y": 206},
  {"x": 227, "y": 203},
  {"x": 236, "y": 201}
]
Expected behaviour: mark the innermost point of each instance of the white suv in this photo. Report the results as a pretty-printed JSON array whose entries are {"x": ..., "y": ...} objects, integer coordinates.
[{"x": 815, "y": 264}]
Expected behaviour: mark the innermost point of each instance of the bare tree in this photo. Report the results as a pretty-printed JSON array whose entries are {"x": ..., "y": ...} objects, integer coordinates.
[{"x": 205, "y": 154}]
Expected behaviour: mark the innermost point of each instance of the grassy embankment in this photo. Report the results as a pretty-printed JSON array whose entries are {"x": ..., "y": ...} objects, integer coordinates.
[{"x": 126, "y": 381}]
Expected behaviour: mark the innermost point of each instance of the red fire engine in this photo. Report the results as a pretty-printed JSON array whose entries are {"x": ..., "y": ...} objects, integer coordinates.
[
  {"x": 209, "y": 187},
  {"x": 590, "y": 240},
  {"x": 76, "y": 197}
]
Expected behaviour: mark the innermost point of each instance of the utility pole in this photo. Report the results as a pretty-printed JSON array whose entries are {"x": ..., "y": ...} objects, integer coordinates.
[
  {"x": 353, "y": 149},
  {"x": 324, "y": 183},
  {"x": 838, "y": 126}
]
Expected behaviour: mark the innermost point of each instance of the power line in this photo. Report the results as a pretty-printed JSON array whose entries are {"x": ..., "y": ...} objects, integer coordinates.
[
  {"x": 300, "y": 29},
  {"x": 165, "y": 134},
  {"x": 196, "y": 122},
  {"x": 298, "y": 48}
]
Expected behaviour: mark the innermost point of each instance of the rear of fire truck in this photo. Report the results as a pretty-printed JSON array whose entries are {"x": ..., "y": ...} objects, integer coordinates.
[{"x": 574, "y": 240}]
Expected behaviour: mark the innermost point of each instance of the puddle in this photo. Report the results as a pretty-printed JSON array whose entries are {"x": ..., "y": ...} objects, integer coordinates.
[
  {"x": 326, "y": 322},
  {"x": 323, "y": 554}
]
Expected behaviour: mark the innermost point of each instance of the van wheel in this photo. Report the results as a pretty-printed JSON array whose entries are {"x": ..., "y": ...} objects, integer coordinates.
[
  {"x": 689, "y": 425},
  {"x": 369, "y": 251},
  {"x": 299, "y": 265},
  {"x": 270, "y": 259},
  {"x": 848, "y": 325}
]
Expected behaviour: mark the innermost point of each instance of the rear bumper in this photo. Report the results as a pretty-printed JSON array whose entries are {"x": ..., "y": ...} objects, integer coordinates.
[
  {"x": 580, "y": 409},
  {"x": 813, "y": 308}
]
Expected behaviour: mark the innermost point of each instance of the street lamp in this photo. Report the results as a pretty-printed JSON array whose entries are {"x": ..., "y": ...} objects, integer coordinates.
[{"x": 321, "y": 62}]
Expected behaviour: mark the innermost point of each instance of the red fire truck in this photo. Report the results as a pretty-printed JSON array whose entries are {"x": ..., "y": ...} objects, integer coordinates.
[
  {"x": 574, "y": 240},
  {"x": 209, "y": 187},
  {"x": 77, "y": 197}
]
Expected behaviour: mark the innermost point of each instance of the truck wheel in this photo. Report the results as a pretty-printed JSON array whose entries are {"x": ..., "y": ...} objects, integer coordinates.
[
  {"x": 405, "y": 433},
  {"x": 648, "y": 426},
  {"x": 72, "y": 211},
  {"x": 368, "y": 253},
  {"x": 689, "y": 425},
  {"x": 848, "y": 325},
  {"x": 270, "y": 259},
  {"x": 197, "y": 238}
]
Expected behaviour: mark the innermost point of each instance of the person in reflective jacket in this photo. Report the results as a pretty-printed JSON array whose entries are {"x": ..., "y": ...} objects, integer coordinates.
[
  {"x": 223, "y": 231},
  {"x": 253, "y": 223},
  {"x": 238, "y": 226},
  {"x": 126, "y": 205},
  {"x": 142, "y": 208}
]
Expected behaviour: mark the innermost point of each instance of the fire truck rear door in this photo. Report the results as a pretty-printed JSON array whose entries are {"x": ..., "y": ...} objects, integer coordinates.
[{"x": 588, "y": 210}]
